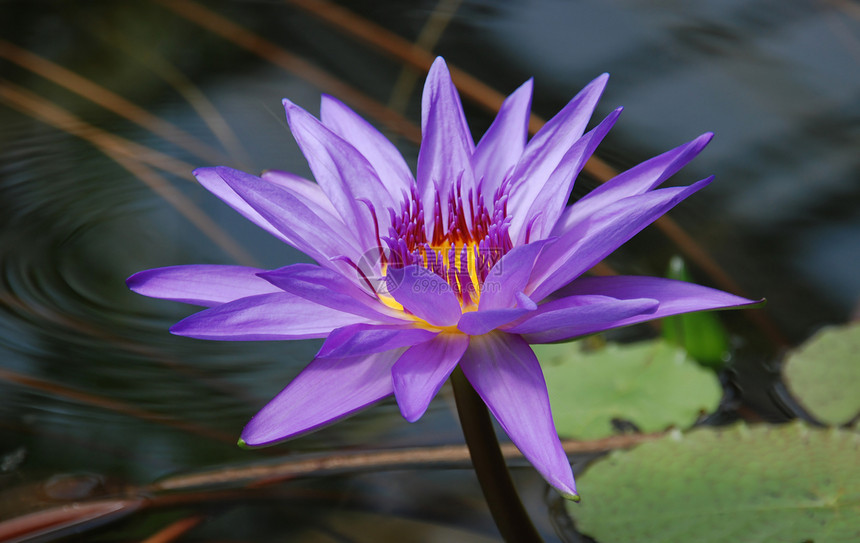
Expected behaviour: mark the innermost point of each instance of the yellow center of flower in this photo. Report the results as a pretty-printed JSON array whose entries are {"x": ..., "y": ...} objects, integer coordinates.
[{"x": 464, "y": 241}]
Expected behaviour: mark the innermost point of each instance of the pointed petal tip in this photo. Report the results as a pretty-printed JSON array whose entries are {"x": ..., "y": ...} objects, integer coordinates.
[
  {"x": 608, "y": 123},
  {"x": 251, "y": 439},
  {"x": 565, "y": 486},
  {"x": 411, "y": 415},
  {"x": 704, "y": 182},
  {"x": 247, "y": 442},
  {"x": 438, "y": 73},
  {"x": 133, "y": 281},
  {"x": 438, "y": 68},
  {"x": 138, "y": 281},
  {"x": 290, "y": 109},
  {"x": 600, "y": 80},
  {"x": 753, "y": 304},
  {"x": 595, "y": 87},
  {"x": 197, "y": 172},
  {"x": 527, "y": 87},
  {"x": 701, "y": 142}
]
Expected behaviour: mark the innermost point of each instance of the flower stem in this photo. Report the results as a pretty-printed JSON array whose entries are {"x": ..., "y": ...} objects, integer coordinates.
[{"x": 508, "y": 512}]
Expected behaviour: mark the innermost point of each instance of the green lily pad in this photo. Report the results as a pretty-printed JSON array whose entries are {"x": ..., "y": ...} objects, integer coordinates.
[
  {"x": 824, "y": 374},
  {"x": 651, "y": 384},
  {"x": 763, "y": 484}
]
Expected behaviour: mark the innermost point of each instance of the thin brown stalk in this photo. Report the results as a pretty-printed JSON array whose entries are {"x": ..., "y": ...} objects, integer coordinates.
[
  {"x": 407, "y": 52},
  {"x": 206, "y": 487},
  {"x": 69, "y": 393},
  {"x": 315, "y": 465},
  {"x": 246, "y": 39},
  {"x": 427, "y": 39},
  {"x": 192, "y": 94},
  {"x": 107, "y": 99},
  {"x": 40, "y": 524},
  {"x": 175, "y": 530},
  {"x": 48, "y": 112},
  {"x": 131, "y": 156}
]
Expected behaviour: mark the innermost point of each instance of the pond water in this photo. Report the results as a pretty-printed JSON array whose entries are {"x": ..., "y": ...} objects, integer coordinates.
[{"x": 107, "y": 106}]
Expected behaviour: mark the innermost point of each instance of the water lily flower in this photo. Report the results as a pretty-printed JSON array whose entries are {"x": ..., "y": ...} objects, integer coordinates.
[{"x": 466, "y": 263}]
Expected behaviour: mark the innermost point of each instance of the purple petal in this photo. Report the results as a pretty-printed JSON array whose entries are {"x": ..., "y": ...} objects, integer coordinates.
[
  {"x": 543, "y": 153},
  {"x": 509, "y": 276},
  {"x": 552, "y": 199},
  {"x": 211, "y": 181},
  {"x": 505, "y": 372},
  {"x": 476, "y": 323},
  {"x": 342, "y": 172},
  {"x": 446, "y": 146},
  {"x": 575, "y": 316},
  {"x": 328, "y": 389},
  {"x": 422, "y": 370},
  {"x": 300, "y": 226},
  {"x": 637, "y": 180},
  {"x": 381, "y": 153},
  {"x": 265, "y": 317},
  {"x": 424, "y": 294},
  {"x": 309, "y": 192},
  {"x": 362, "y": 339},
  {"x": 331, "y": 289},
  {"x": 590, "y": 241},
  {"x": 202, "y": 284},
  {"x": 503, "y": 143},
  {"x": 674, "y": 296}
]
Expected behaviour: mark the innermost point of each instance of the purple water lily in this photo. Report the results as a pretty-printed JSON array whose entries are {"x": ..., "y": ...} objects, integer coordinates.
[{"x": 467, "y": 264}]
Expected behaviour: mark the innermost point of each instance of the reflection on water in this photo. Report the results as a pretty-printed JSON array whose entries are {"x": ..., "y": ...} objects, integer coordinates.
[{"x": 97, "y": 395}]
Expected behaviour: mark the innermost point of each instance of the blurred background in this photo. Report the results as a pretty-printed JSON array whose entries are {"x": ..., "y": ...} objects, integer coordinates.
[{"x": 107, "y": 106}]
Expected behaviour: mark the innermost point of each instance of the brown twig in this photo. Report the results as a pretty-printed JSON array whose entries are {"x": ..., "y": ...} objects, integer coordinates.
[
  {"x": 64, "y": 517},
  {"x": 315, "y": 465},
  {"x": 189, "y": 489},
  {"x": 175, "y": 530}
]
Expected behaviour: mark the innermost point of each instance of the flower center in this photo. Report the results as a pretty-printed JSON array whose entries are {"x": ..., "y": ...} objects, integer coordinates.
[{"x": 467, "y": 240}]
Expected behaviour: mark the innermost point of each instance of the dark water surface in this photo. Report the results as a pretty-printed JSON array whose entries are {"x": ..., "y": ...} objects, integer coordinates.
[{"x": 95, "y": 395}]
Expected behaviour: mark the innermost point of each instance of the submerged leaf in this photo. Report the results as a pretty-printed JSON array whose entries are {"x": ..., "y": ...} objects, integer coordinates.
[
  {"x": 700, "y": 334},
  {"x": 651, "y": 385},
  {"x": 824, "y": 375},
  {"x": 767, "y": 484}
]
